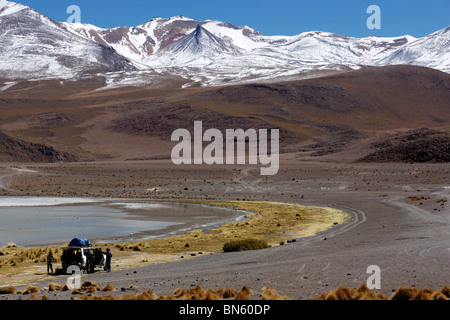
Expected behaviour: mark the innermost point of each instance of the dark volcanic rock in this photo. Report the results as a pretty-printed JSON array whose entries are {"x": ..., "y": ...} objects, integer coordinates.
[
  {"x": 419, "y": 146},
  {"x": 15, "y": 150}
]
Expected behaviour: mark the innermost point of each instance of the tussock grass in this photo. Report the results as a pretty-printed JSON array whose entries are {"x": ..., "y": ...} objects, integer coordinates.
[
  {"x": 345, "y": 293},
  {"x": 446, "y": 291},
  {"x": 244, "y": 294},
  {"x": 31, "y": 289},
  {"x": 212, "y": 295},
  {"x": 33, "y": 297},
  {"x": 227, "y": 293},
  {"x": 270, "y": 294},
  {"x": 109, "y": 287},
  {"x": 409, "y": 293},
  {"x": 9, "y": 290},
  {"x": 402, "y": 293},
  {"x": 245, "y": 245},
  {"x": 199, "y": 293},
  {"x": 55, "y": 287},
  {"x": 14, "y": 256}
]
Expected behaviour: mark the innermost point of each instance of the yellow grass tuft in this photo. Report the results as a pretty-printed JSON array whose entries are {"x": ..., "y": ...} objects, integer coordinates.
[
  {"x": 270, "y": 294},
  {"x": 212, "y": 295},
  {"x": 146, "y": 295},
  {"x": 90, "y": 286},
  {"x": 31, "y": 289},
  {"x": 54, "y": 287},
  {"x": 363, "y": 293},
  {"x": 446, "y": 291},
  {"x": 9, "y": 290},
  {"x": 109, "y": 287},
  {"x": 33, "y": 297}
]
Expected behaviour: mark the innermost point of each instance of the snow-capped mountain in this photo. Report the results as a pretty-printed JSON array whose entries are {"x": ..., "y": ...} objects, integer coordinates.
[
  {"x": 34, "y": 46},
  {"x": 197, "y": 49},
  {"x": 203, "y": 52},
  {"x": 213, "y": 52},
  {"x": 432, "y": 51}
]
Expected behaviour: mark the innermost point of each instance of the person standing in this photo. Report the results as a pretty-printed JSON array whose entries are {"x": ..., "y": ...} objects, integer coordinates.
[
  {"x": 50, "y": 260},
  {"x": 108, "y": 260},
  {"x": 89, "y": 262}
]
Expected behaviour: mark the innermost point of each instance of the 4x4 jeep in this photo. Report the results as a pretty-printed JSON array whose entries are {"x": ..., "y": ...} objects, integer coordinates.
[{"x": 86, "y": 258}]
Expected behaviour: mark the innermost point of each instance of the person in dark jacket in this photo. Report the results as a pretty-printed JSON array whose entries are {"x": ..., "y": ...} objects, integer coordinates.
[
  {"x": 50, "y": 260},
  {"x": 108, "y": 260},
  {"x": 90, "y": 264}
]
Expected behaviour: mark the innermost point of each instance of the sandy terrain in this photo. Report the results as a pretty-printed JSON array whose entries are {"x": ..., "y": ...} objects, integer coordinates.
[{"x": 391, "y": 225}]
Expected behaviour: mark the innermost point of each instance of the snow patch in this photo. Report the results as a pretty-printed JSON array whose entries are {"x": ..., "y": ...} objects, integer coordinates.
[{"x": 8, "y": 8}]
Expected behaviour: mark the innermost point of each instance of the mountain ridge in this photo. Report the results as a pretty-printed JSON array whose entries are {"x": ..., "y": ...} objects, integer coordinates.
[{"x": 204, "y": 53}]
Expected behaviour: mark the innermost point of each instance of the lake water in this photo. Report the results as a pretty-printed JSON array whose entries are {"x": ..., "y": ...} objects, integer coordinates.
[{"x": 47, "y": 221}]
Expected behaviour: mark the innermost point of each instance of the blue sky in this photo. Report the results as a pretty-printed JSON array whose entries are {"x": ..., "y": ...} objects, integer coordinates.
[{"x": 281, "y": 17}]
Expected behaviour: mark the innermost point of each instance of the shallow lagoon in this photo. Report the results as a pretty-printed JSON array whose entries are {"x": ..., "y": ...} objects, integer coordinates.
[{"x": 49, "y": 221}]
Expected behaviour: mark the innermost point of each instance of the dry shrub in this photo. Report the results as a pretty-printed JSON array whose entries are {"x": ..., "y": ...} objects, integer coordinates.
[
  {"x": 9, "y": 290},
  {"x": 403, "y": 293},
  {"x": 109, "y": 287},
  {"x": 409, "y": 293},
  {"x": 244, "y": 293},
  {"x": 345, "y": 293},
  {"x": 86, "y": 297},
  {"x": 360, "y": 293},
  {"x": 197, "y": 293},
  {"x": 90, "y": 286},
  {"x": 91, "y": 289},
  {"x": 247, "y": 290},
  {"x": 178, "y": 292},
  {"x": 241, "y": 296},
  {"x": 146, "y": 295},
  {"x": 446, "y": 291},
  {"x": 31, "y": 289},
  {"x": 212, "y": 295},
  {"x": 11, "y": 245},
  {"x": 227, "y": 293},
  {"x": 423, "y": 295},
  {"x": 364, "y": 293},
  {"x": 270, "y": 294},
  {"x": 67, "y": 287},
  {"x": 438, "y": 295},
  {"x": 167, "y": 298},
  {"x": 54, "y": 287},
  {"x": 128, "y": 297}
]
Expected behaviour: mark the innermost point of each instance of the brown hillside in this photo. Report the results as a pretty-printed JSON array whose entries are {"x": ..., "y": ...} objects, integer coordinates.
[
  {"x": 316, "y": 117},
  {"x": 15, "y": 150}
]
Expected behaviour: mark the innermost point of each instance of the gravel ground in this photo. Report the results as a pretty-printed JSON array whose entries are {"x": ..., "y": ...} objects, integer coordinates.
[{"x": 409, "y": 240}]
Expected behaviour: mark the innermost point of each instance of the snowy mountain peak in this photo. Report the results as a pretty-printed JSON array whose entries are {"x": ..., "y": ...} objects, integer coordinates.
[
  {"x": 8, "y": 7},
  {"x": 198, "y": 48},
  {"x": 207, "y": 52},
  {"x": 181, "y": 17},
  {"x": 34, "y": 46}
]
